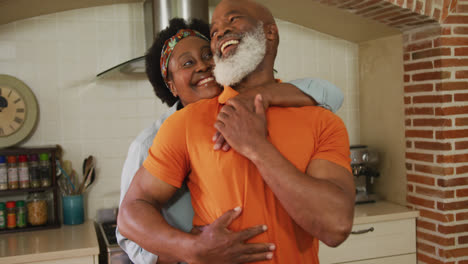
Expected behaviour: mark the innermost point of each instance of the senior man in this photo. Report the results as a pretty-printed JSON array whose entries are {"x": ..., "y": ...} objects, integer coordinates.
[{"x": 291, "y": 174}]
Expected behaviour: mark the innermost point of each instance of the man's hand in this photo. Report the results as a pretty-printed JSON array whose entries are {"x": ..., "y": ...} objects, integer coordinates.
[
  {"x": 246, "y": 98},
  {"x": 242, "y": 128},
  {"x": 217, "y": 244}
]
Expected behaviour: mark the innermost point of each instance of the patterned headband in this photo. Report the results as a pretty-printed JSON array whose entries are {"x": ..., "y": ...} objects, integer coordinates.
[{"x": 169, "y": 46}]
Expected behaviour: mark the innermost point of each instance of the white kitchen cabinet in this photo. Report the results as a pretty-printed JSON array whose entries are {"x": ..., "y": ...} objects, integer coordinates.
[
  {"x": 383, "y": 233},
  {"x": 403, "y": 259}
]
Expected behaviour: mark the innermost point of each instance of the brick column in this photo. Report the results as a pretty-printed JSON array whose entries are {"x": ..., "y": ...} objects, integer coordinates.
[
  {"x": 436, "y": 108},
  {"x": 436, "y": 99}
]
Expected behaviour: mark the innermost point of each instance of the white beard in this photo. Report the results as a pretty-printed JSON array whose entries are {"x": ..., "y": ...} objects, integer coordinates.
[{"x": 249, "y": 54}]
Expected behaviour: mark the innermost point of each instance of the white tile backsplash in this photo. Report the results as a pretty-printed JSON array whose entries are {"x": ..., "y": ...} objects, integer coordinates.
[
  {"x": 7, "y": 50},
  {"x": 7, "y": 32},
  {"x": 25, "y": 30},
  {"x": 304, "y": 52},
  {"x": 58, "y": 55}
]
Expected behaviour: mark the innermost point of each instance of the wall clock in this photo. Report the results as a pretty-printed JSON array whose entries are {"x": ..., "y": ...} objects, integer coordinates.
[{"x": 18, "y": 111}]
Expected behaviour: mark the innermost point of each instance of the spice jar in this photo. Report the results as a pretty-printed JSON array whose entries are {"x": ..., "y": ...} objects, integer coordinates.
[
  {"x": 2, "y": 216},
  {"x": 23, "y": 172},
  {"x": 3, "y": 174},
  {"x": 20, "y": 214},
  {"x": 37, "y": 209},
  {"x": 34, "y": 171},
  {"x": 12, "y": 173},
  {"x": 44, "y": 169},
  {"x": 11, "y": 214}
]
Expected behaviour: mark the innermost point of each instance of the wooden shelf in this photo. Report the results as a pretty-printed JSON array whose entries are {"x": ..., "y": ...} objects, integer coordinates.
[
  {"x": 28, "y": 190},
  {"x": 30, "y": 228},
  {"x": 53, "y": 220}
]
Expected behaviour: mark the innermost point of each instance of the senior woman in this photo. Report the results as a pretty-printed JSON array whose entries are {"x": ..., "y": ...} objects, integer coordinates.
[{"x": 179, "y": 66}]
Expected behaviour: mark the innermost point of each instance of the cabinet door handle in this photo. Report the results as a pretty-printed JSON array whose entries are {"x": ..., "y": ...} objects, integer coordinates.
[{"x": 363, "y": 231}]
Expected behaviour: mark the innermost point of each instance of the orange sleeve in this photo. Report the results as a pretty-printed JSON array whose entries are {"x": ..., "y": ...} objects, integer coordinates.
[
  {"x": 333, "y": 142},
  {"x": 168, "y": 157}
]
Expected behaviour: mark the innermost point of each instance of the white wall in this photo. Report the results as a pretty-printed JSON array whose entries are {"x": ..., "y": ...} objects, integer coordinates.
[
  {"x": 382, "y": 96},
  {"x": 58, "y": 56}
]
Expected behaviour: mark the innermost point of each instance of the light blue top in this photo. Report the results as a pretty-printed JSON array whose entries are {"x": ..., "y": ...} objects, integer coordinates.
[{"x": 179, "y": 211}]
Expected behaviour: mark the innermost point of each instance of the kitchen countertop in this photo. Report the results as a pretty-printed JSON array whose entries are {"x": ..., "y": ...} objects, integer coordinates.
[
  {"x": 81, "y": 240},
  {"x": 68, "y": 241},
  {"x": 381, "y": 211}
]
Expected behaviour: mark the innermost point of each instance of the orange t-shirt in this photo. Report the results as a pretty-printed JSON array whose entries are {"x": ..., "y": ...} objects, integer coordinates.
[{"x": 220, "y": 181}]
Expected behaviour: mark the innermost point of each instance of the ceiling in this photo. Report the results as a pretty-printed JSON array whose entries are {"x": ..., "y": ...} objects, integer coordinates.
[
  {"x": 326, "y": 19},
  {"x": 308, "y": 13},
  {"x": 12, "y": 10}
]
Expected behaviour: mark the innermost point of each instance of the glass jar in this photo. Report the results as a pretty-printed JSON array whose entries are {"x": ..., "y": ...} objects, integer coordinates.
[
  {"x": 20, "y": 214},
  {"x": 34, "y": 171},
  {"x": 11, "y": 214},
  {"x": 23, "y": 171},
  {"x": 3, "y": 174},
  {"x": 37, "y": 209},
  {"x": 12, "y": 173},
  {"x": 44, "y": 169}
]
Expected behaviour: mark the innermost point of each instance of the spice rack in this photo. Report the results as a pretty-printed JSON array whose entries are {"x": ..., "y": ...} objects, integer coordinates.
[{"x": 53, "y": 220}]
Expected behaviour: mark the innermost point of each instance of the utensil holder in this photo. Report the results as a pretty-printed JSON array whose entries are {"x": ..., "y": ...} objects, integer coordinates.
[{"x": 73, "y": 210}]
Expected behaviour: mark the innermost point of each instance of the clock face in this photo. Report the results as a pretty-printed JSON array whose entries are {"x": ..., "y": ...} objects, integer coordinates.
[
  {"x": 12, "y": 111},
  {"x": 18, "y": 111}
]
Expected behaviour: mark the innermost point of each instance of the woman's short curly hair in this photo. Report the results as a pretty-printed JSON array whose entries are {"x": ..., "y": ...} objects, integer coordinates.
[{"x": 153, "y": 55}]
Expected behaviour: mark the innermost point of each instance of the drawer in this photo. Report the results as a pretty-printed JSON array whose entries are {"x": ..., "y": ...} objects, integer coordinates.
[
  {"x": 78, "y": 260},
  {"x": 387, "y": 239},
  {"x": 403, "y": 259}
]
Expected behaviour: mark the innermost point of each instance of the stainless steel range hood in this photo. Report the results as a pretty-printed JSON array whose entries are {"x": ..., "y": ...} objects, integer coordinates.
[{"x": 157, "y": 14}]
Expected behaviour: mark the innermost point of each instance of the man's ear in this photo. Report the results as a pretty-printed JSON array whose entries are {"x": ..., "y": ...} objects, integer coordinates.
[
  {"x": 172, "y": 88},
  {"x": 271, "y": 32}
]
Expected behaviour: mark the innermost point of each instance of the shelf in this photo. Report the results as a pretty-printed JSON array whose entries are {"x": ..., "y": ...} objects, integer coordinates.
[
  {"x": 52, "y": 201},
  {"x": 28, "y": 190},
  {"x": 30, "y": 228},
  {"x": 29, "y": 150}
]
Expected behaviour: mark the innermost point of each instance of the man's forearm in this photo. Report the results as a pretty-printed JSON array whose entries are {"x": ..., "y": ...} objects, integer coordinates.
[
  {"x": 143, "y": 223},
  {"x": 286, "y": 95},
  {"x": 319, "y": 206}
]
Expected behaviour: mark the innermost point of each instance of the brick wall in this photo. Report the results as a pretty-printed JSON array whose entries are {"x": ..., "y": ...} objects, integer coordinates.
[
  {"x": 401, "y": 14},
  {"x": 436, "y": 99},
  {"x": 435, "y": 36}
]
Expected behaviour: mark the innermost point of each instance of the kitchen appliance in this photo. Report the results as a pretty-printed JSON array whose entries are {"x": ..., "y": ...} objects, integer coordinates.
[
  {"x": 110, "y": 251},
  {"x": 157, "y": 14},
  {"x": 364, "y": 163}
]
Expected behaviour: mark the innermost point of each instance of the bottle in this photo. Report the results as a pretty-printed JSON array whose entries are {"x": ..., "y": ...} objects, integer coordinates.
[
  {"x": 20, "y": 214},
  {"x": 23, "y": 172},
  {"x": 11, "y": 214},
  {"x": 3, "y": 174},
  {"x": 37, "y": 209},
  {"x": 34, "y": 171},
  {"x": 2, "y": 216},
  {"x": 12, "y": 173},
  {"x": 44, "y": 169}
]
